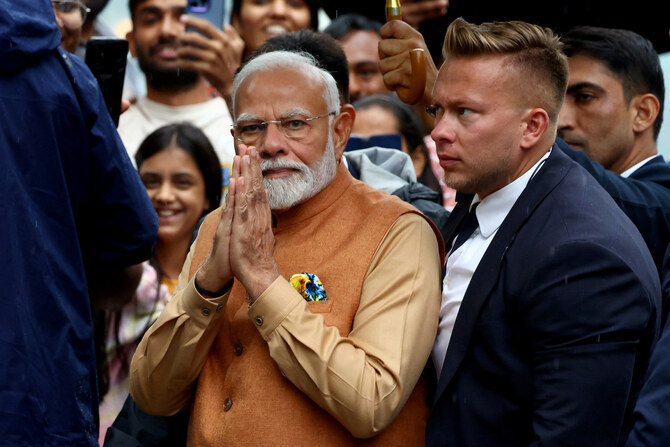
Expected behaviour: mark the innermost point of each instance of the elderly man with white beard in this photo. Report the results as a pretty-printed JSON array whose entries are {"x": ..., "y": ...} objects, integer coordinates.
[{"x": 308, "y": 305}]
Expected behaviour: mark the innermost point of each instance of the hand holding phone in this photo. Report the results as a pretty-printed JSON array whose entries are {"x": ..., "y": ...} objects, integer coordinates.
[{"x": 214, "y": 52}]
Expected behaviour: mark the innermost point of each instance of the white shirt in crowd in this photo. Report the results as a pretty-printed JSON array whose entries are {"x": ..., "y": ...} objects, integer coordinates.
[{"x": 212, "y": 117}]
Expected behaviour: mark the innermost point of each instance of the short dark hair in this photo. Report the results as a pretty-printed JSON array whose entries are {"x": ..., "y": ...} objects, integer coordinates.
[
  {"x": 629, "y": 56},
  {"x": 194, "y": 142},
  {"x": 132, "y": 6},
  {"x": 409, "y": 123},
  {"x": 346, "y": 23},
  {"x": 313, "y": 6},
  {"x": 322, "y": 47}
]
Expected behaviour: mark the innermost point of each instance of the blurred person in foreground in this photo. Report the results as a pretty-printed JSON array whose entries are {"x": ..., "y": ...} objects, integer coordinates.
[
  {"x": 551, "y": 300},
  {"x": 75, "y": 216}
]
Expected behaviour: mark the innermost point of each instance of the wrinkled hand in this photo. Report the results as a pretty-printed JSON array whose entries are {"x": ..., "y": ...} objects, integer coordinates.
[
  {"x": 417, "y": 11},
  {"x": 398, "y": 38},
  {"x": 252, "y": 243},
  {"x": 216, "y": 271},
  {"x": 216, "y": 54}
]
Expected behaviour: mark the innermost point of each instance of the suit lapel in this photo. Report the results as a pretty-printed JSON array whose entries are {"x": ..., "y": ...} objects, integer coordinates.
[{"x": 486, "y": 275}]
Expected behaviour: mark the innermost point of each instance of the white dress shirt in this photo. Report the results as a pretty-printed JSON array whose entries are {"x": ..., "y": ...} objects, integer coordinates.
[
  {"x": 628, "y": 172},
  {"x": 462, "y": 263}
]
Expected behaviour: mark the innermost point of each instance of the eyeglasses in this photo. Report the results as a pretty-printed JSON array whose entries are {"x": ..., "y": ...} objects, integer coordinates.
[
  {"x": 295, "y": 127},
  {"x": 73, "y": 13}
]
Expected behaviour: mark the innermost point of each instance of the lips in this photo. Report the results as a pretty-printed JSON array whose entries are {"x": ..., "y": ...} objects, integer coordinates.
[
  {"x": 168, "y": 52},
  {"x": 168, "y": 216},
  {"x": 447, "y": 161},
  {"x": 278, "y": 172}
]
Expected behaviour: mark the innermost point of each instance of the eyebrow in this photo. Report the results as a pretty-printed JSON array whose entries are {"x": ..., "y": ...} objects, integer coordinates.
[
  {"x": 364, "y": 63},
  {"x": 583, "y": 85},
  {"x": 248, "y": 117},
  {"x": 290, "y": 114},
  {"x": 154, "y": 174}
]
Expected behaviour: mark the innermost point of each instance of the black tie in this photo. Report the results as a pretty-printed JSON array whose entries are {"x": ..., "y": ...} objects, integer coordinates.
[{"x": 468, "y": 227}]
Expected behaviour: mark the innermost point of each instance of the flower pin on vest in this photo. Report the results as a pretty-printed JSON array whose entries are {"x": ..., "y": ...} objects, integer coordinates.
[{"x": 309, "y": 286}]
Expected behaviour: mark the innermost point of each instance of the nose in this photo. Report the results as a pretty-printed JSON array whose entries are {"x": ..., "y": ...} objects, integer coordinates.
[
  {"x": 566, "y": 117},
  {"x": 171, "y": 26},
  {"x": 165, "y": 193},
  {"x": 274, "y": 143},
  {"x": 278, "y": 8},
  {"x": 443, "y": 130}
]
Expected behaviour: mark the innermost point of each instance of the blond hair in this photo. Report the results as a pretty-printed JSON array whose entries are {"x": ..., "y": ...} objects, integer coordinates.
[{"x": 536, "y": 52}]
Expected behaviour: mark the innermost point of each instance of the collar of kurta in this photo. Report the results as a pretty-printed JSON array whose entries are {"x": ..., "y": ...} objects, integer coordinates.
[{"x": 318, "y": 203}]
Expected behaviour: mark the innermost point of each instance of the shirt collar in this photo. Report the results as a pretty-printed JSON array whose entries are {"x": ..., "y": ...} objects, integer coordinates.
[
  {"x": 637, "y": 166},
  {"x": 494, "y": 208}
]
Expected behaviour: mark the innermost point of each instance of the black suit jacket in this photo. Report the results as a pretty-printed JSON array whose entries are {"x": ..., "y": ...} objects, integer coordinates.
[
  {"x": 644, "y": 197},
  {"x": 553, "y": 336}
]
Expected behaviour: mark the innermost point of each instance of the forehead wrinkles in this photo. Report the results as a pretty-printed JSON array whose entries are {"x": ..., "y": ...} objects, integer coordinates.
[{"x": 284, "y": 102}]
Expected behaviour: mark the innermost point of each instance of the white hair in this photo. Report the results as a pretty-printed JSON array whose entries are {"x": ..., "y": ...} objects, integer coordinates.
[{"x": 299, "y": 61}]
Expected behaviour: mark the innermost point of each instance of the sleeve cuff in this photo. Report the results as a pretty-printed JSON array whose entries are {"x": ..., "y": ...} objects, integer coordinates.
[
  {"x": 201, "y": 309},
  {"x": 273, "y": 306}
]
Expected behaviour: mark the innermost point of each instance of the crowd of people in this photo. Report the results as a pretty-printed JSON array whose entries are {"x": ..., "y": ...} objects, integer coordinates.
[{"x": 272, "y": 248}]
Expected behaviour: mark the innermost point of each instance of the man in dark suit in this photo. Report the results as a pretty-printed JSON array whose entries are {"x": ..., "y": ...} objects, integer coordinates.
[
  {"x": 651, "y": 427},
  {"x": 613, "y": 113},
  {"x": 551, "y": 306}
]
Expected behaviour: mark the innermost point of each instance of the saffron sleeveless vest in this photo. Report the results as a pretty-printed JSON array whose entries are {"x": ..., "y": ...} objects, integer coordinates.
[{"x": 242, "y": 397}]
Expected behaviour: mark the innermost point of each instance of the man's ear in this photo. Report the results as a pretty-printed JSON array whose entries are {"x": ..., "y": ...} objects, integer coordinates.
[
  {"x": 533, "y": 125},
  {"x": 131, "y": 43},
  {"x": 645, "y": 108},
  {"x": 342, "y": 126}
]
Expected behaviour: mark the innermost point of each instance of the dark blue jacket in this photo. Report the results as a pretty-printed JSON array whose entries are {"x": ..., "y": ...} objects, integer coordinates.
[
  {"x": 652, "y": 412},
  {"x": 644, "y": 197},
  {"x": 553, "y": 337},
  {"x": 70, "y": 200}
]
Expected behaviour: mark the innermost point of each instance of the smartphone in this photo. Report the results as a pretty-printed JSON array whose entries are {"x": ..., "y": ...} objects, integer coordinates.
[
  {"x": 211, "y": 10},
  {"x": 106, "y": 57}
]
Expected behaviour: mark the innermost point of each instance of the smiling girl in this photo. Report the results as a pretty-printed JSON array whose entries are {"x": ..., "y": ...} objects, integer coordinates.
[{"x": 182, "y": 175}]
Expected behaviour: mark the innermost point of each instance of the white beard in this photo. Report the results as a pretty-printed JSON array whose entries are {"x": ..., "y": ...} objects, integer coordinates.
[{"x": 284, "y": 193}]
